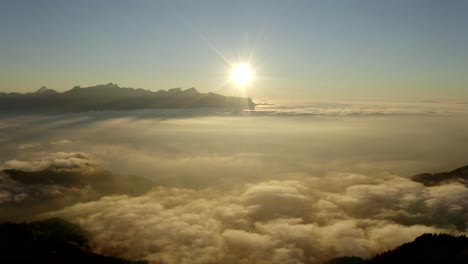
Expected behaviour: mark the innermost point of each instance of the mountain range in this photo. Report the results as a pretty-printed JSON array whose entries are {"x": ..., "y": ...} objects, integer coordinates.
[{"x": 112, "y": 97}]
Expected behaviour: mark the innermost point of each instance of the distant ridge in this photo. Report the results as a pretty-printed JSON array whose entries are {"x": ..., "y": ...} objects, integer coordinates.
[{"x": 112, "y": 97}]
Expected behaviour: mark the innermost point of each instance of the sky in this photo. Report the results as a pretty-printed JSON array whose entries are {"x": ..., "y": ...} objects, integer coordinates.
[{"x": 299, "y": 49}]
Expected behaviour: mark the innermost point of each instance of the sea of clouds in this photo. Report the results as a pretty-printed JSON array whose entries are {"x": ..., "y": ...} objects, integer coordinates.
[{"x": 243, "y": 188}]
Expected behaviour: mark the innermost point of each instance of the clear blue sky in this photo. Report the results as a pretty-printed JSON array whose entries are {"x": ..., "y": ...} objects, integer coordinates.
[{"x": 300, "y": 49}]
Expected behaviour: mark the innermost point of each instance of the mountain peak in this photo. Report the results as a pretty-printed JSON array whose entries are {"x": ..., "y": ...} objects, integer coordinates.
[
  {"x": 44, "y": 89},
  {"x": 190, "y": 91},
  {"x": 175, "y": 90},
  {"x": 112, "y": 85}
]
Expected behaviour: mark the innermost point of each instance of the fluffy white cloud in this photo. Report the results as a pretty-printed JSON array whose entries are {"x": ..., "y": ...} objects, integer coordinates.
[
  {"x": 59, "y": 160},
  {"x": 307, "y": 225},
  {"x": 57, "y": 180}
]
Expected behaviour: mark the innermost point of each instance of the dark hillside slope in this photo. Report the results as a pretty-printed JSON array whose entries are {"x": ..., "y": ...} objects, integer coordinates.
[{"x": 50, "y": 241}]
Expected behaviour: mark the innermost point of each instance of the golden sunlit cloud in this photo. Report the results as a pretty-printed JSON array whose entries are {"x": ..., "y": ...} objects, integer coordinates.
[{"x": 242, "y": 74}]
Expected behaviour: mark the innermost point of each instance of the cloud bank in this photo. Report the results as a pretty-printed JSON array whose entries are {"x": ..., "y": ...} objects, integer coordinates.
[
  {"x": 57, "y": 180},
  {"x": 237, "y": 189},
  {"x": 270, "y": 222}
]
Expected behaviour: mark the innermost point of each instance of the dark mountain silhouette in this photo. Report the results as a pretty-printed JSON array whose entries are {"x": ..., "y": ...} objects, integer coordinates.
[
  {"x": 44, "y": 90},
  {"x": 49, "y": 241},
  {"x": 113, "y": 97},
  {"x": 432, "y": 179},
  {"x": 426, "y": 249}
]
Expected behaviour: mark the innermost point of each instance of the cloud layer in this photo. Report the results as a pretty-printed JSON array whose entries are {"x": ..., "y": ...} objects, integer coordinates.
[
  {"x": 237, "y": 189},
  {"x": 292, "y": 221},
  {"x": 57, "y": 180}
]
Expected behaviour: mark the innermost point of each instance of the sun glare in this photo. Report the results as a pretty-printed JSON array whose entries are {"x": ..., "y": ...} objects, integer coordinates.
[{"x": 242, "y": 74}]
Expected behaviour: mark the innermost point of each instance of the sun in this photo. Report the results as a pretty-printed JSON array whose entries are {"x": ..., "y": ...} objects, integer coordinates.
[{"x": 242, "y": 74}]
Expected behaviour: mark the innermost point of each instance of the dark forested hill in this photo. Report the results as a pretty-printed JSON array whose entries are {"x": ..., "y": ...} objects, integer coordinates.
[
  {"x": 426, "y": 249},
  {"x": 49, "y": 241},
  {"x": 113, "y": 97},
  {"x": 432, "y": 179}
]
